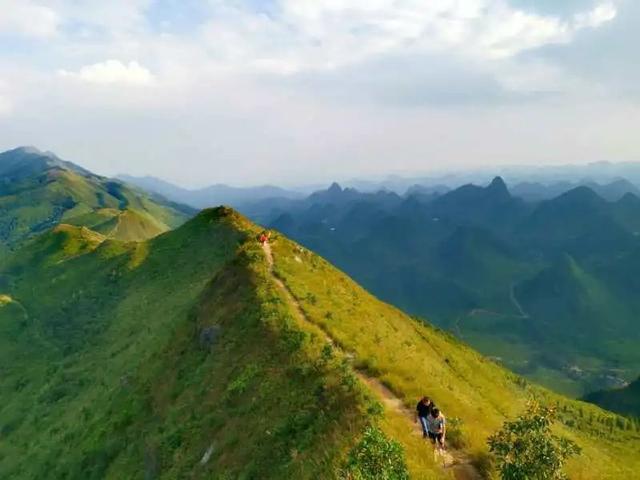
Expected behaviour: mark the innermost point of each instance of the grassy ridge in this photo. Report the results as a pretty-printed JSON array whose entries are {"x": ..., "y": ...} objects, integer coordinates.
[
  {"x": 180, "y": 357},
  {"x": 142, "y": 357},
  {"x": 414, "y": 359},
  {"x": 39, "y": 191}
]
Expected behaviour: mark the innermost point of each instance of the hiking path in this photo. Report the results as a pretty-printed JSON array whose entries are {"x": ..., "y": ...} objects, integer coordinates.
[{"x": 456, "y": 461}]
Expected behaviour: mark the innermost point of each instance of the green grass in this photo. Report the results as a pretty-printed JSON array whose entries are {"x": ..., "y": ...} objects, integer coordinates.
[
  {"x": 134, "y": 360},
  {"x": 108, "y": 377},
  {"x": 49, "y": 196},
  {"x": 414, "y": 359}
]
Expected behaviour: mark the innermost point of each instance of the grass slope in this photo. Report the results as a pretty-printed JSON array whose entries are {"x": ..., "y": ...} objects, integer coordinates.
[
  {"x": 131, "y": 361},
  {"x": 180, "y": 357},
  {"x": 39, "y": 191},
  {"x": 413, "y": 359}
]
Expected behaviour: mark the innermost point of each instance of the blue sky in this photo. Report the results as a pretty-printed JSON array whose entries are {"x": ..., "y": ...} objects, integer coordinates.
[{"x": 307, "y": 91}]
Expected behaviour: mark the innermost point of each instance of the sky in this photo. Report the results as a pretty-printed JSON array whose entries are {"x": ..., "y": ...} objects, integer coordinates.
[{"x": 292, "y": 92}]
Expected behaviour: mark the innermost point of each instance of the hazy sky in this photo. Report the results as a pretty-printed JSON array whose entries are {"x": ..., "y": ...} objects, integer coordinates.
[{"x": 305, "y": 91}]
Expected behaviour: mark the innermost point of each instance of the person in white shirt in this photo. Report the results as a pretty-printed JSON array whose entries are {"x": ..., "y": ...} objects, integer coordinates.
[{"x": 437, "y": 428}]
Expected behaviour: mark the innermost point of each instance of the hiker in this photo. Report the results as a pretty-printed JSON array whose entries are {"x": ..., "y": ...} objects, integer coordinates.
[
  {"x": 423, "y": 409},
  {"x": 264, "y": 238},
  {"x": 436, "y": 426}
]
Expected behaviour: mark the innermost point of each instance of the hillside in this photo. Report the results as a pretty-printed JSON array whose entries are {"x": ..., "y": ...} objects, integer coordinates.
[
  {"x": 625, "y": 401},
  {"x": 489, "y": 268},
  {"x": 197, "y": 354},
  {"x": 38, "y": 191}
]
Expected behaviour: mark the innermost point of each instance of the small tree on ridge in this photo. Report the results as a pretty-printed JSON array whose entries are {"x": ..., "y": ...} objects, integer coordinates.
[{"x": 526, "y": 449}]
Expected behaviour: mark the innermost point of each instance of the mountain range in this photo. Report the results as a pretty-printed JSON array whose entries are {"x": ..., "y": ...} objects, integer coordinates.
[
  {"x": 197, "y": 352},
  {"x": 213, "y": 195},
  {"x": 38, "y": 190},
  {"x": 549, "y": 177},
  {"x": 612, "y": 191},
  {"x": 546, "y": 287}
]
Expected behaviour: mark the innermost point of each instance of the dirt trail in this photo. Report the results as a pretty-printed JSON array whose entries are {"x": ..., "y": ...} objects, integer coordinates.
[{"x": 456, "y": 461}]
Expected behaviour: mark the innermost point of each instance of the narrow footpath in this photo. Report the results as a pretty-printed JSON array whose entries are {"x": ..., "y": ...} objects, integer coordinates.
[{"x": 457, "y": 461}]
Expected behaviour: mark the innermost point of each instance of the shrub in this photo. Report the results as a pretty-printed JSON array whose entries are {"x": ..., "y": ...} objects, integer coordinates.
[
  {"x": 376, "y": 457},
  {"x": 525, "y": 449},
  {"x": 240, "y": 384}
]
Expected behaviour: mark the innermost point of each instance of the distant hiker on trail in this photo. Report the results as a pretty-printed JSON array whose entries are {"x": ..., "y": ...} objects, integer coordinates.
[
  {"x": 423, "y": 409},
  {"x": 436, "y": 426},
  {"x": 264, "y": 237}
]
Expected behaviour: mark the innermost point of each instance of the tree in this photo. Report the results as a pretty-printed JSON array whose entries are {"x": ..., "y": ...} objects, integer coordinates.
[
  {"x": 376, "y": 457},
  {"x": 525, "y": 449}
]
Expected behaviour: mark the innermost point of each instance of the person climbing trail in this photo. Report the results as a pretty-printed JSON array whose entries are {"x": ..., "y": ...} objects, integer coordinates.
[
  {"x": 423, "y": 409},
  {"x": 263, "y": 238},
  {"x": 437, "y": 426}
]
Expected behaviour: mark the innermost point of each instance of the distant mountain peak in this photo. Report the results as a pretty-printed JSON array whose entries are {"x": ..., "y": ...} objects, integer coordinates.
[
  {"x": 28, "y": 149},
  {"x": 629, "y": 198},
  {"x": 498, "y": 185},
  {"x": 581, "y": 193},
  {"x": 335, "y": 188},
  {"x": 26, "y": 160},
  {"x": 34, "y": 151}
]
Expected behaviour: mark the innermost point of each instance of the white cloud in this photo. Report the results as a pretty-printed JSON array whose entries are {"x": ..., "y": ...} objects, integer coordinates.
[
  {"x": 598, "y": 16},
  {"x": 317, "y": 34},
  {"x": 112, "y": 72},
  {"x": 319, "y": 86},
  {"x": 24, "y": 17}
]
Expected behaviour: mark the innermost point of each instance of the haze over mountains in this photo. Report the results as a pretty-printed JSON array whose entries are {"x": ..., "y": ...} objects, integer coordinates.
[
  {"x": 534, "y": 188},
  {"x": 544, "y": 176},
  {"x": 196, "y": 353},
  {"x": 213, "y": 195}
]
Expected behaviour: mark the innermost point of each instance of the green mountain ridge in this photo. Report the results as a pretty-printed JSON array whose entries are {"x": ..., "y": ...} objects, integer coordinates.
[
  {"x": 38, "y": 191},
  {"x": 190, "y": 355}
]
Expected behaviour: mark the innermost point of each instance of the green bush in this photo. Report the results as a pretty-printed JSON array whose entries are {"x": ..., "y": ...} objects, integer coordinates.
[
  {"x": 525, "y": 449},
  {"x": 376, "y": 457},
  {"x": 238, "y": 385}
]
